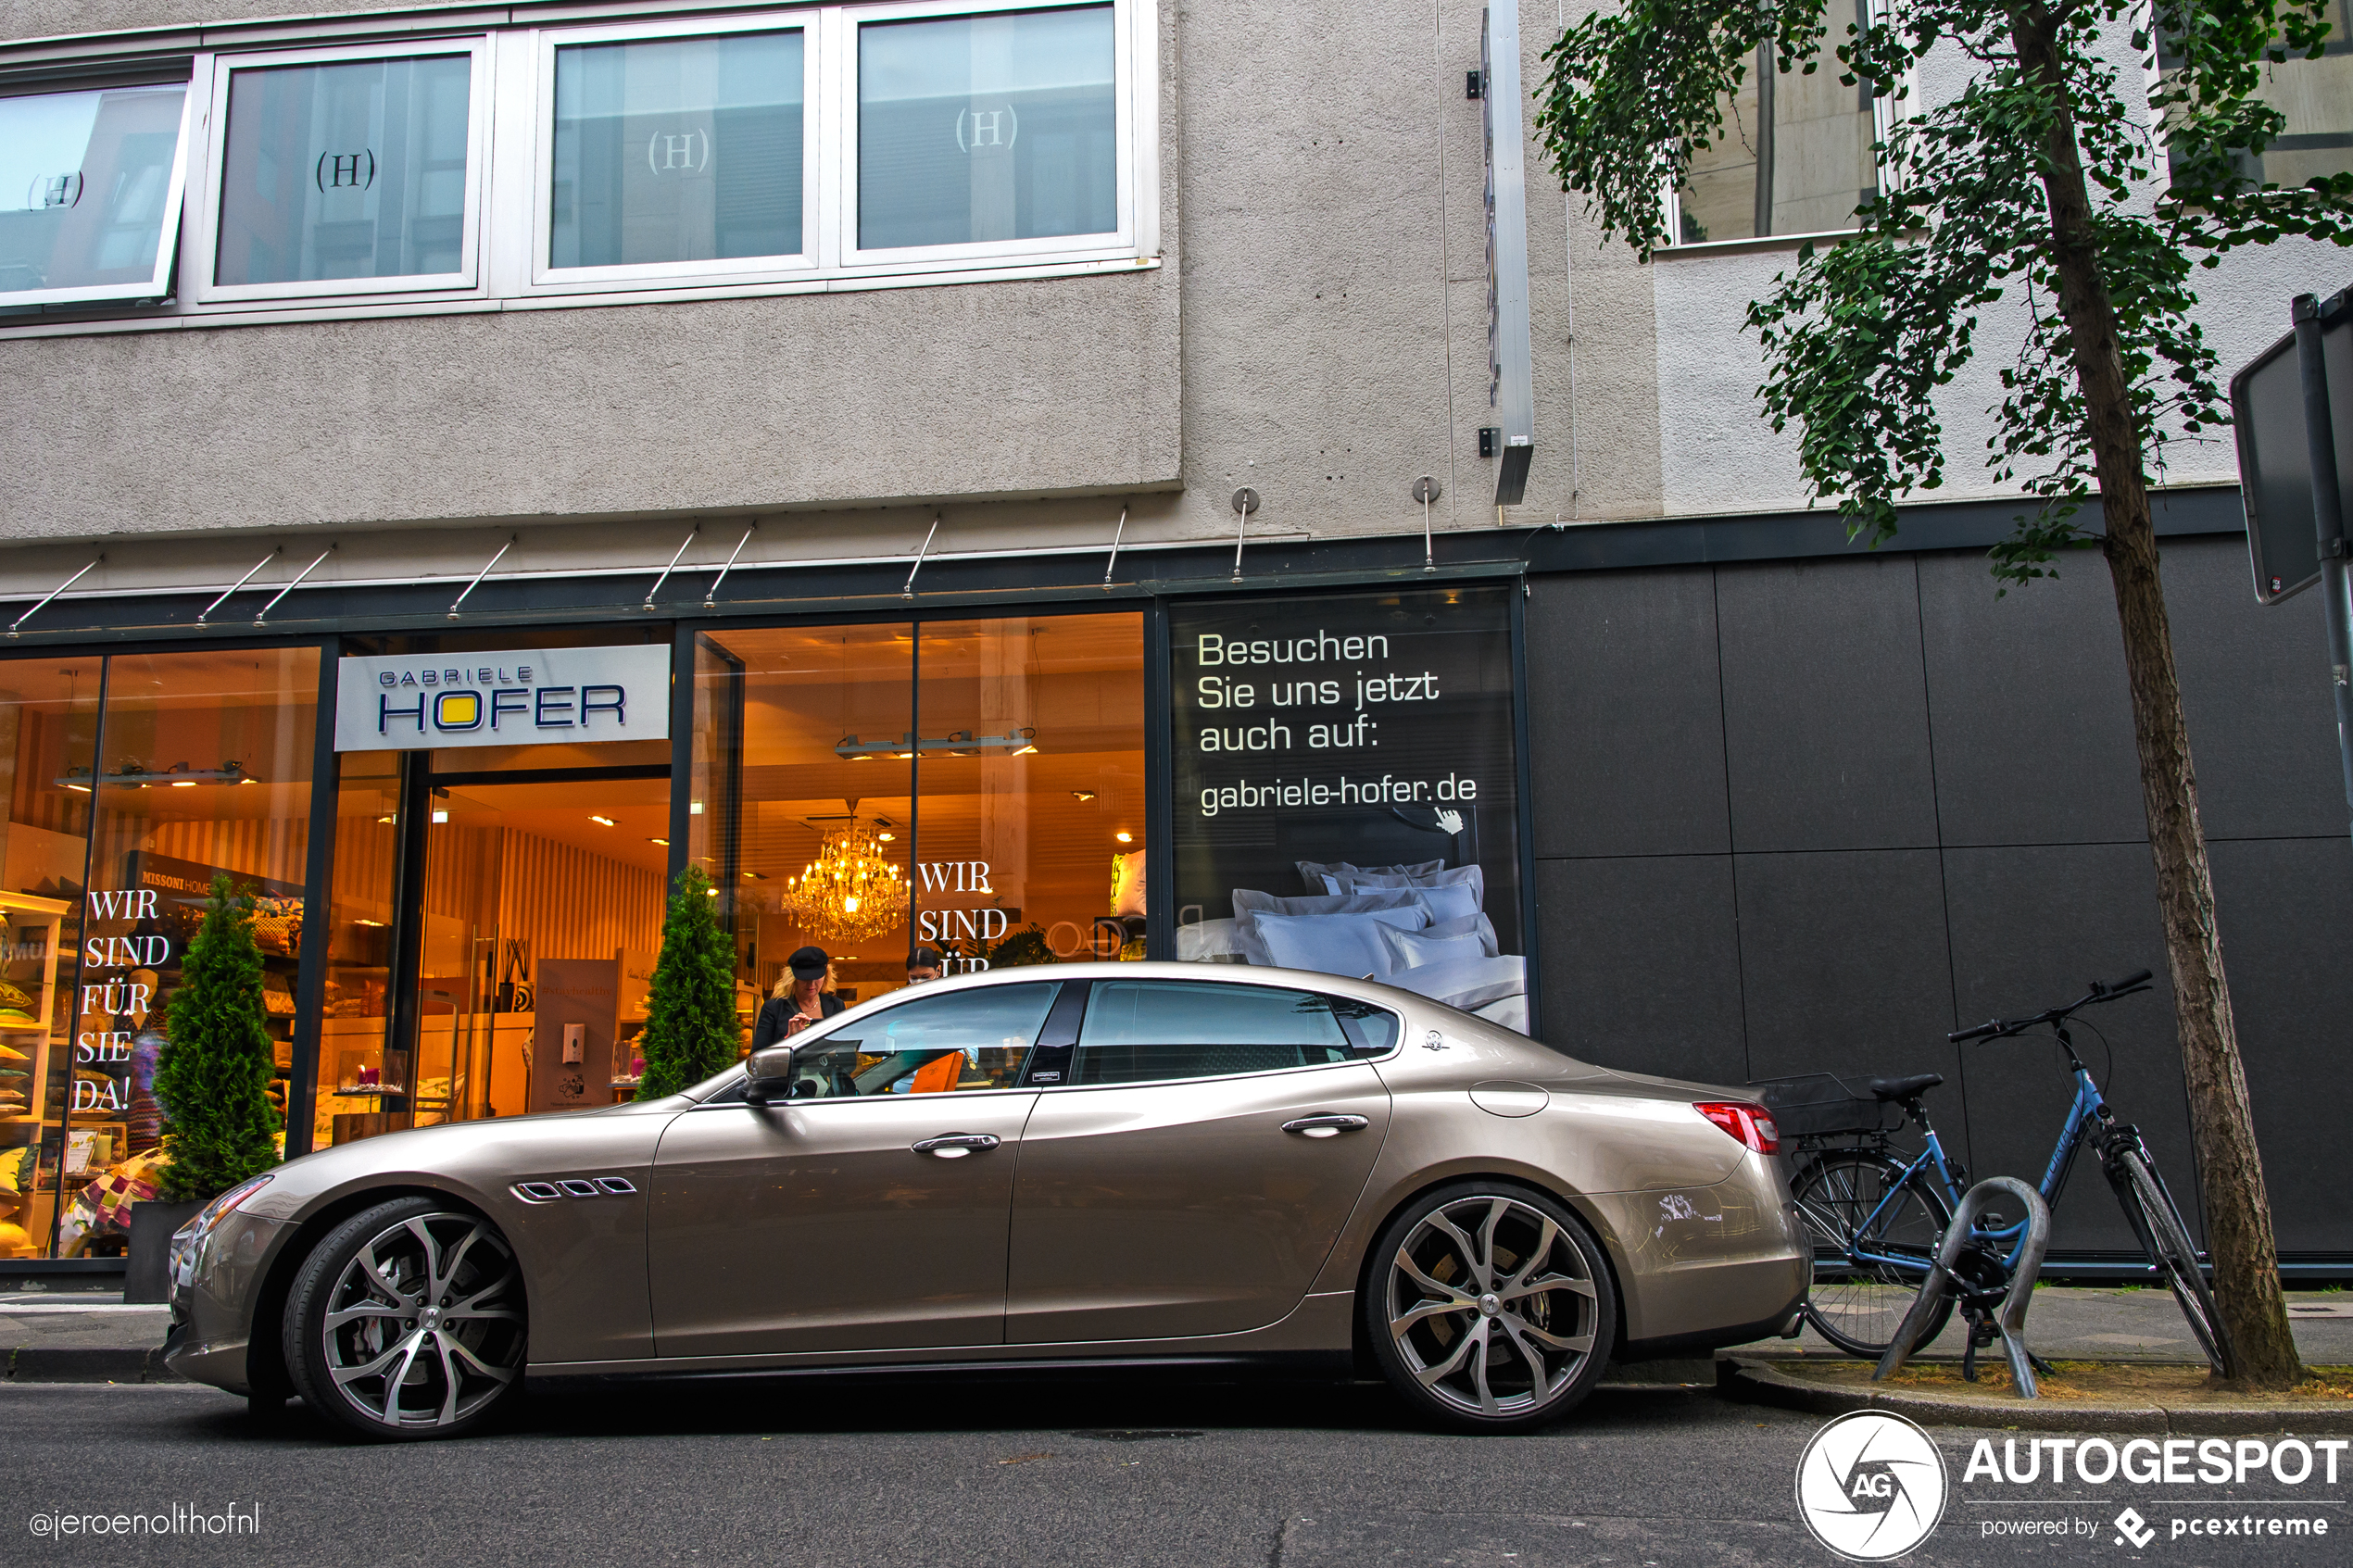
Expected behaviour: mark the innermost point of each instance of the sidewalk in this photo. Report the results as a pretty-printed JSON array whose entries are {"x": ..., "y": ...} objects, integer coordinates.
[{"x": 75, "y": 1336}]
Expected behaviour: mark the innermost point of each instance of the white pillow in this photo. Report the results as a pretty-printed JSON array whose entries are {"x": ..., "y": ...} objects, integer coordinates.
[
  {"x": 1476, "y": 925},
  {"x": 1315, "y": 873},
  {"x": 1454, "y": 900},
  {"x": 1349, "y": 945},
  {"x": 1362, "y": 881},
  {"x": 1411, "y": 949},
  {"x": 1470, "y": 985},
  {"x": 1249, "y": 904}
]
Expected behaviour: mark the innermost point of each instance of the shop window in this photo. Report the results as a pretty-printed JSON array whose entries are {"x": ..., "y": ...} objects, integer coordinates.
[
  {"x": 680, "y": 153},
  {"x": 358, "y": 927},
  {"x": 342, "y": 171},
  {"x": 48, "y": 748},
  {"x": 1795, "y": 155},
  {"x": 90, "y": 186},
  {"x": 2316, "y": 97},
  {"x": 987, "y": 129},
  {"x": 1347, "y": 794},
  {"x": 205, "y": 765}
]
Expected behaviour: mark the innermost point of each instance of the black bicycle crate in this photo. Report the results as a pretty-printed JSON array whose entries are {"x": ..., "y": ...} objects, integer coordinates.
[{"x": 1816, "y": 1105}]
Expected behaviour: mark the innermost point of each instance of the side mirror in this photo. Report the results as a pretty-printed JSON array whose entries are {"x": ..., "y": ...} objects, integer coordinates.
[{"x": 769, "y": 1074}]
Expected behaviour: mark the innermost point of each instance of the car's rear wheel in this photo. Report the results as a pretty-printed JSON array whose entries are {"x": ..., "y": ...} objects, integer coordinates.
[
  {"x": 1490, "y": 1307},
  {"x": 408, "y": 1322}
]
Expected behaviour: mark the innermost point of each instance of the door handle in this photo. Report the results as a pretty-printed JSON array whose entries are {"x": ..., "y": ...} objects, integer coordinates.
[
  {"x": 1329, "y": 1126},
  {"x": 955, "y": 1146}
]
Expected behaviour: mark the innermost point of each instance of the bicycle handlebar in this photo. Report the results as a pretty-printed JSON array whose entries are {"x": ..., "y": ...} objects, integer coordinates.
[{"x": 2132, "y": 984}]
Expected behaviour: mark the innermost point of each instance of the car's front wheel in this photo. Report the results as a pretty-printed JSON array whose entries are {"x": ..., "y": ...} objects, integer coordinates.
[
  {"x": 408, "y": 1322},
  {"x": 1490, "y": 1307}
]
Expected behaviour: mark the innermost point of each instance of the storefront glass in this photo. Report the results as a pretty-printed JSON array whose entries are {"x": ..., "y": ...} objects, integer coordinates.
[
  {"x": 48, "y": 744},
  {"x": 1346, "y": 791}
]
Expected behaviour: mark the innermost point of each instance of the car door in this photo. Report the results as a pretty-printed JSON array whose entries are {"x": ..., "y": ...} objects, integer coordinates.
[
  {"x": 1192, "y": 1163},
  {"x": 838, "y": 1219}
]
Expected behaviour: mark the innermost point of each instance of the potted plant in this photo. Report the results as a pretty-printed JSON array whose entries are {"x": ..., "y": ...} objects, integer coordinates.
[
  {"x": 690, "y": 1007},
  {"x": 212, "y": 1077}
]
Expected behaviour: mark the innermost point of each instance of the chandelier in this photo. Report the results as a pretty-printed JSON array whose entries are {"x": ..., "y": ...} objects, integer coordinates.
[{"x": 850, "y": 892}]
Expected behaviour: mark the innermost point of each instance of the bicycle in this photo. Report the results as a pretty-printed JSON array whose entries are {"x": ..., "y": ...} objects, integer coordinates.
[{"x": 1876, "y": 1219}]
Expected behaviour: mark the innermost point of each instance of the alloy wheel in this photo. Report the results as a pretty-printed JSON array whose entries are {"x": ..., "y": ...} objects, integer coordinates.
[
  {"x": 425, "y": 1326},
  {"x": 1490, "y": 1305}
]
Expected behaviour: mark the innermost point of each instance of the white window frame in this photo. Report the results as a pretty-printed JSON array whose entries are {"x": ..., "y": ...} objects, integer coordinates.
[
  {"x": 842, "y": 87},
  {"x": 158, "y": 283},
  {"x": 204, "y": 248},
  {"x": 545, "y": 277}
]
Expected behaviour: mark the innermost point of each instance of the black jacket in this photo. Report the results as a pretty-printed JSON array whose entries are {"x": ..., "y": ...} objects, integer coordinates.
[{"x": 770, "y": 1029}]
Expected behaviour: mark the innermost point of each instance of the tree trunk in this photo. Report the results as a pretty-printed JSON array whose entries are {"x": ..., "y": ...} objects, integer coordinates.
[{"x": 2238, "y": 1211}]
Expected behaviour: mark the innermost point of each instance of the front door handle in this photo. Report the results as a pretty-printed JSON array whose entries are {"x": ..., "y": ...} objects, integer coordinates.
[
  {"x": 955, "y": 1146},
  {"x": 1329, "y": 1126}
]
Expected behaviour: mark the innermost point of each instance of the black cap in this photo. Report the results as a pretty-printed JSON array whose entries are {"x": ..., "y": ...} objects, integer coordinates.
[
  {"x": 923, "y": 957},
  {"x": 808, "y": 963}
]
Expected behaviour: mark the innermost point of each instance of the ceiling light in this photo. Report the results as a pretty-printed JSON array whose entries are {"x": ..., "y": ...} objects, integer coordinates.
[
  {"x": 1082, "y": 794},
  {"x": 664, "y": 842},
  {"x": 755, "y": 876},
  {"x": 888, "y": 838},
  {"x": 373, "y": 923},
  {"x": 441, "y": 816},
  {"x": 593, "y": 818},
  {"x": 184, "y": 783},
  {"x": 694, "y": 807},
  {"x": 388, "y": 818},
  {"x": 1125, "y": 837}
]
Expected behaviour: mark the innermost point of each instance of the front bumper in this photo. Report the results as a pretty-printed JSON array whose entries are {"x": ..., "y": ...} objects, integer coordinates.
[{"x": 213, "y": 1294}]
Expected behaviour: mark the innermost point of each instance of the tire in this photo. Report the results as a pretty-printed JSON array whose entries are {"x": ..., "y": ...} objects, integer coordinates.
[
  {"x": 1857, "y": 1307},
  {"x": 1490, "y": 1307},
  {"x": 408, "y": 1322},
  {"x": 2166, "y": 1242}
]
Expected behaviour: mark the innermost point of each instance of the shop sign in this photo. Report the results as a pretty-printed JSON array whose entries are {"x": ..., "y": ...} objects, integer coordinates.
[
  {"x": 415, "y": 702},
  {"x": 1347, "y": 791}
]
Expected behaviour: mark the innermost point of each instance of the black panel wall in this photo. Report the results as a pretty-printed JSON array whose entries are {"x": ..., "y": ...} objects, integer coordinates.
[{"x": 1811, "y": 816}]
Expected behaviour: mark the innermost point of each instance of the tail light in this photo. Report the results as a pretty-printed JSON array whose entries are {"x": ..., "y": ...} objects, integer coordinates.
[{"x": 1750, "y": 1125}]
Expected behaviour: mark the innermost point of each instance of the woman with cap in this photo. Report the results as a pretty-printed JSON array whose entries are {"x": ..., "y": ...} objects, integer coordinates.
[{"x": 799, "y": 1000}]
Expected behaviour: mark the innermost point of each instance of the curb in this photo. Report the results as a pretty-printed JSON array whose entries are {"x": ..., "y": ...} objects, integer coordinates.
[
  {"x": 35, "y": 1363},
  {"x": 1759, "y": 1383}
]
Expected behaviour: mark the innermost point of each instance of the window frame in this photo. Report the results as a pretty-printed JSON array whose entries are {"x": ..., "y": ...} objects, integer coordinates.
[
  {"x": 205, "y": 240},
  {"x": 845, "y": 22},
  {"x": 160, "y": 282},
  {"x": 545, "y": 277}
]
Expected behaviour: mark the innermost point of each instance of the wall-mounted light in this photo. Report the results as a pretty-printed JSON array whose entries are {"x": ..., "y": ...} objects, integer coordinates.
[
  {"x": 1125, "y": 837},
  {"x": 593, "y": 818},
  {"x": 664, "y": 842},
  {"x": 694, "y": 807},
  {"x": 888, "y": 838},
  {"x": 1082, "y": 794},
  {"x": 441, "y": 816}
]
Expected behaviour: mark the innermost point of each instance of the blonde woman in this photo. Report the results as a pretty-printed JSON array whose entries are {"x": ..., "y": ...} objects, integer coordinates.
[{"x": 800, "y": 998}]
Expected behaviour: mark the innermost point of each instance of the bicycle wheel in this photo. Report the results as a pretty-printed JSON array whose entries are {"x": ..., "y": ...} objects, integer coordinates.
[
  {"x": 1858, "y": 1307},
  {"x": 2166, "y": 1241}
]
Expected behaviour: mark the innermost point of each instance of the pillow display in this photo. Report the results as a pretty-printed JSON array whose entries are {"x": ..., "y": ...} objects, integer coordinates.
[
  {"x": 1467, "y": 984},
  {"x": 1314, "y": 872},
  {"x": 1411, "y": 949},
  {"x": 1476, "y": 925},
  {"x": 1350, "y": 945},
  {"x": 16, "y": 1168},
  {"x": 1403, "y": 904},
  {"x": 1441, "y": 878},
  {"x": 1452, "y": 901}
]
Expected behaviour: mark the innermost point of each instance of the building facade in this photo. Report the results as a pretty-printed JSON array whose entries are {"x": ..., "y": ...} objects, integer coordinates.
[{"x": 1024, "y": 481}]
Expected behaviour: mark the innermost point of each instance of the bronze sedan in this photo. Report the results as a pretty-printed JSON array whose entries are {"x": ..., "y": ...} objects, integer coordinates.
[{"x": 1125, "y": 1163}]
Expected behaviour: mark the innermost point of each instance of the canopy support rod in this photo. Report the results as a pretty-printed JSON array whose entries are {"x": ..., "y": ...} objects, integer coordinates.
[
  {"x": 710, "y": 599},
  {"x": 239, "y": 583},
  {"x": 60, "y": 588},
  {"x": 1115, "y": 537},
  {"x": 483, "y": 573},
  {"x": 672, "y": 566},
  {"x": 263, "y": 614},
  {"x": 909, "y": 591}
]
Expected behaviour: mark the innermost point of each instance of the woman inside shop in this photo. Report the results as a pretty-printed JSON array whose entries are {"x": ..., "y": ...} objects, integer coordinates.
[{"x": 801, "y": 999}]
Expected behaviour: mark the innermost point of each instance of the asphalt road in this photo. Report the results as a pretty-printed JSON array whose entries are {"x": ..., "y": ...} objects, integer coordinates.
[{"x": 854, "y": 1472}]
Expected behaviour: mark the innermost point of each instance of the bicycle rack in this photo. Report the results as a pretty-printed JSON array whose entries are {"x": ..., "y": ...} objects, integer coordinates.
[{"x": 2011, "y": 1319}]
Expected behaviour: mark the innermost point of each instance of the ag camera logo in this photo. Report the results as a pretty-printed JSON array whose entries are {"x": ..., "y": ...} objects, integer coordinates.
[{"x": 1871, "y": 1487}]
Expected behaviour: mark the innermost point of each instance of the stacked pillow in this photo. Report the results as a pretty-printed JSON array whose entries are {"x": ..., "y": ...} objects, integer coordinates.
[{"x": 1356, "y": 933}]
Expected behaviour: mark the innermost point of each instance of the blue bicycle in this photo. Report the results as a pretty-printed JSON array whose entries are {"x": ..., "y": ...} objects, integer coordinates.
[{"x": 1876, "y": 1219}]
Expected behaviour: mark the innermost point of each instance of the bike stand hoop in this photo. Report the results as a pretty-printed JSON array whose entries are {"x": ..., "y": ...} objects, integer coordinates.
[{"x": 2012, "y": 1317}]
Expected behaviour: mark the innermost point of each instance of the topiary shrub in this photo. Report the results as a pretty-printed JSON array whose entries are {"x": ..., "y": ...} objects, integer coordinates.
[
  {"x": 690, "y": 1008},
  {"x": 212, "y": 1075}
]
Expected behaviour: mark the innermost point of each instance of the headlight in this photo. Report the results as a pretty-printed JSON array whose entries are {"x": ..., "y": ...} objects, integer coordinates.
[{"x": 188, "y": 1238}]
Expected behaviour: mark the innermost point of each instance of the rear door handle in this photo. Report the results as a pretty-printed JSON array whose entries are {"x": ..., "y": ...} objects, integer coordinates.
[
  {"x": 955, "y": 1146},
  {"x": 1329, "y": 1126}
]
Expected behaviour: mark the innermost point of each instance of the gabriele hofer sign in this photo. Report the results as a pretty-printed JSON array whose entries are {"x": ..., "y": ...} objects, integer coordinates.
[
  {"x": 1346, "y": 763},
  {"x": 411, "y": 702}
]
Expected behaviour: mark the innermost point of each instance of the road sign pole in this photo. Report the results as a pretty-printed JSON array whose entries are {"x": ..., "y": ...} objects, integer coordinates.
[{"x": 2328, "y": 521}]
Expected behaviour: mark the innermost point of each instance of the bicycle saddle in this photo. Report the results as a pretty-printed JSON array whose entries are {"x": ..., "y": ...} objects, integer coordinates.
[{"x": 1904, "y": 1089}]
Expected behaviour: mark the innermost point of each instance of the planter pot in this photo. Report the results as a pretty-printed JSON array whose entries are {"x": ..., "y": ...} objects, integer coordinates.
[{"x": 148, "y": 1276}]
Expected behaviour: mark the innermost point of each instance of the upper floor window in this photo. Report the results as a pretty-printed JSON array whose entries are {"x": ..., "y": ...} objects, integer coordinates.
[
  {"x": 2316, "y": 98},
  {"x": 768, "y": 148},
  {"x": 90, "y": 186}
]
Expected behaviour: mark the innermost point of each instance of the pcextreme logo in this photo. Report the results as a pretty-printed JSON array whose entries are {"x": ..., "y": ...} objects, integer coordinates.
[{"x": 1871, "y": 1487}]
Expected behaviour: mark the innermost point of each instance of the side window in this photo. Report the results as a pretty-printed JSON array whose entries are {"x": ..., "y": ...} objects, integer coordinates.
[
  {"x": 1141, "y": 1031},
  {"x": 973, "y": 1039}
]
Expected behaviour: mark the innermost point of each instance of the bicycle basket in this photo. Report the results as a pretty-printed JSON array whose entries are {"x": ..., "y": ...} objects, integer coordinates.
[{"x": 1816, "y": 1105}]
